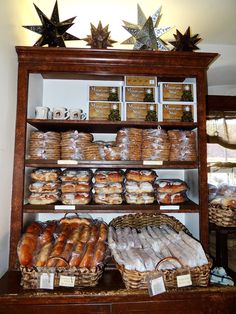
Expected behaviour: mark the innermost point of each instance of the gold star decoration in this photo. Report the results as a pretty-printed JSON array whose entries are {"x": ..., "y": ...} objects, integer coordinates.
[
  {"x": 146, "y": 34},
  {"x": 100, "y": 37},
  {"x": 52, "y": 31},
  {"x": 185, "y": 42}
]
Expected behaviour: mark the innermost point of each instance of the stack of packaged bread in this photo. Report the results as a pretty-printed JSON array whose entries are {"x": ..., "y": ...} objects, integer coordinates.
[
  {"x": 70, "y": 242},
  {"x": 108, "y": 186},
  {"x": 139, "y": 187},
  {"x": 76, "y": 186},
  {"x": 44, "y": 187},
  {"x": 171, "y": 191}
]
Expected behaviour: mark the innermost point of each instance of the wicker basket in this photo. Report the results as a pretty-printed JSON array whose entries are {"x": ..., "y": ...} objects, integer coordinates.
[
  {"x": 138, "y": 280},
  {"x": 83, "y": 277},
  {"x": 223, "y": 216}
]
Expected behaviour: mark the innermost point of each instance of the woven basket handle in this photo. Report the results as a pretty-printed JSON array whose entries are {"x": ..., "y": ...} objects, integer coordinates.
[
  {"x": 168, "y": 259},
  {"x": 59, "y": 258}
]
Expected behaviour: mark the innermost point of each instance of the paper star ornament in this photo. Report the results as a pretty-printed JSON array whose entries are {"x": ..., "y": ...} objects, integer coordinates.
[
  {"x": 146, "y": 34},
  {"x": 53, "y": 32},
  {"x": 185, "y": 42}
]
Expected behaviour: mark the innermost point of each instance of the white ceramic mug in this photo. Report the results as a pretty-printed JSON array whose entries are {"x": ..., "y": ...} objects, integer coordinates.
[
  {"x": 60, "y": 113},
  {"x": 41, "y": 112},
  {"x": 77, "y": 114}
]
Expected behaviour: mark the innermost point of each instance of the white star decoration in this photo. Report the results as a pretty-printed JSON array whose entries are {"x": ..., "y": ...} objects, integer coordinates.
[{"x": 146, "y": 34}]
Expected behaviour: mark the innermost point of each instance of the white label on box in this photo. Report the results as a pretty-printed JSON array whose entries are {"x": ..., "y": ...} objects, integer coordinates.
[
  {"x": 46, "y": 281},
  {"x": 169, "y": 207},
  {"x": 184, "y": 280},
  {"x": 67, "y": 281},
  {"x": 63, "y": 207},
  {"x": 157, "y": 286},
  {"x": 67, "y": 162},
  {"x": 153, "y": 162}
]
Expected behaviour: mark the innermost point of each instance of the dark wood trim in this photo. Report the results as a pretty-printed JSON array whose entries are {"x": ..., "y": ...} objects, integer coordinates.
[{"x": 220, "y": 103}]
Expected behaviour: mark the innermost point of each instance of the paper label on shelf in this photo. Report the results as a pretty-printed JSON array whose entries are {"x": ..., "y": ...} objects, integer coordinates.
[
  {"x": 153, "y": 162},
  {"x": 169, "y": 207},
  {"x": 67, "y": 162},
  {"x": 184, "y": 281},
  {"x": 67, "y": 281},
  {"x": 46, "y": 281},
  {"x": 62, "y": 207},
  {"x": 156, "y": 285}
]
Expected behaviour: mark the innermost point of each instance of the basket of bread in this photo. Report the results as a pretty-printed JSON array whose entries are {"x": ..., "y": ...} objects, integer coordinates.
[
  {"x": 222, "y": 205},
  {"x": 146, "y": 245},
  {"x": 68, "y": 252}
]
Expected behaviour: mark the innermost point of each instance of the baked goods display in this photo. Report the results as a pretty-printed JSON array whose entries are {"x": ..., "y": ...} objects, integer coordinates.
[
  {"x": 155, "y": 145},
  {"x": 171, "y": 191},
  {"x": 131, "y": 144},
  {"x": 141, "y": 249},
  {"x": 70, "y": 242},
  {"x": 73, "y": 144},
  {"x": 182, "y": 145},
  {"x": 129, "y": 140},
  {"x": 108, "y": 187},
  {"x": 139, "y": 186},
  {"x": 44, "y": 145},
  {"x": 76, "y": 186},
  {"x": 45, "y": 187}
]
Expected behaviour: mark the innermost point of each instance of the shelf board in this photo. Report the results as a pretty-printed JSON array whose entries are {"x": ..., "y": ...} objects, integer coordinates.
[
  {"x": 103, "y": 126},
  {"x": 118, "y": 164},
  {"x": 187, "y": 207}
]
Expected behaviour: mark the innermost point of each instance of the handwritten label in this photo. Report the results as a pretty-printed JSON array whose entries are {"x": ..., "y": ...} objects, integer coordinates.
[
  {"x": 67, "y": 281},
  {"x": 46, "y": 281},
  {"x": 64, "y": 207},
  {"x": 184, "y": 280},
  {"x": 153, "y": 162},
  {"x": 156, "y": 286},
  {"x": 67, "y": 162}
]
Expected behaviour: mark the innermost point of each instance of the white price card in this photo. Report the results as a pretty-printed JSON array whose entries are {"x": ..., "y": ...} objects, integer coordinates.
[
  {"x": 67, "y": 281},
  {"x": 67, "y": 162},
  {"x": 153, "y": 162},
  {"x": 184, "y": 281},
  {"x": 169, "y": 207},
  {"x": 46, "y": 281},
  {"x": 64, "y": 207},
  {"x": 156, "y": 286}
]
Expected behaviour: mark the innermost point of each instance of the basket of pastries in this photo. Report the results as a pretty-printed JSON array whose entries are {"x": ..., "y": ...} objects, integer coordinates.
[
  {"x": 145, "y": 245},
  {"x": 73, "y": 247},
  {"x": 222, "y": 207}
]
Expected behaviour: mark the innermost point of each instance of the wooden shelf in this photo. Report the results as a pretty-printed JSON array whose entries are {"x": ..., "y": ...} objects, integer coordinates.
[
  {"x": 187, "y": 207},
  {"x": 103, "y": 126},
  {"x": 110, "y": 296},
  {"x": 46, "y": 163}
]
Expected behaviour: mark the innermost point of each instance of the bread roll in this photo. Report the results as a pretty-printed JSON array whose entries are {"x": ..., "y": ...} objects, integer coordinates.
[
  {"x": 26, "y": 249},
  {"x": 109, "y": 176},
  {"x": 88, "y": 256},
  {"x": 77, "y": 254},
  {"x": 170, "y": 186},
  {"x": 43, "y": 255},
  {"x": 99, "y": 254},
  {"x": 141, "y": 175}
]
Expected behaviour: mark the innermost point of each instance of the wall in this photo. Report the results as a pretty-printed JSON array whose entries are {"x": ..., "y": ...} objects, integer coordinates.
[{"x": 13, "y": 15}]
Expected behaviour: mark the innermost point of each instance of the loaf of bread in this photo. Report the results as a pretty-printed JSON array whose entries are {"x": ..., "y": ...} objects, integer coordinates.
[
  {"x": 141, "y": 175},
  {"x": 109, "y": 176}
]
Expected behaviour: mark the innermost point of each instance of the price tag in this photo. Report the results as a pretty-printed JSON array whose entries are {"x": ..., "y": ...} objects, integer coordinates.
[
  {"x": 169, "y": 206},
  {"x": 153, "y": 162},
  {"x": 46, "y": 281},
  {"x": 156, "y": 286},
  {"x": 62, "y": 207},
  {"x": 184, "y": 281},
  {"x": 67, "y": 281},
  {"x": 67, "y": 162}
]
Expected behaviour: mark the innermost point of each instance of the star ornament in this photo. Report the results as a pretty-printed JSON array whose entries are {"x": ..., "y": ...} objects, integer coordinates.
[
  {"x": 100, "y": 37},
  {"x": 146, "y": 34},
  {"x": 53, "y": 32},
  {"x": 185, "y": 42}
]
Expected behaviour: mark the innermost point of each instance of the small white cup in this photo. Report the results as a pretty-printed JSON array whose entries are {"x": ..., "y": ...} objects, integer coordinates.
[
  {"x": 60, "y": 113},
  {"x": 77, "y": 114},
  {"x": 41, "y": 112}
]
